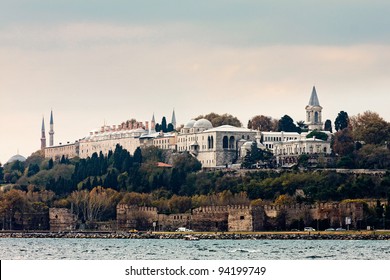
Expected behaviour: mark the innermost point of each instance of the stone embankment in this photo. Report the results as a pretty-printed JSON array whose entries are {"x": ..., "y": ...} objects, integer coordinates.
[{"x": 215, "y": 236}]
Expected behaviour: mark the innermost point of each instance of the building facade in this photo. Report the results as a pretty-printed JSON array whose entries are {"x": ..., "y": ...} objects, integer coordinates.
[{"x": 213, "y": 146}]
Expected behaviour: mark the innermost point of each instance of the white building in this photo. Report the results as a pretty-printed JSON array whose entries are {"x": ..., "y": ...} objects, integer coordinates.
[{"x": 213, "y": 146}]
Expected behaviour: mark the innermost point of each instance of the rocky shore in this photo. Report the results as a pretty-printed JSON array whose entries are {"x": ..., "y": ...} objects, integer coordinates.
[{"x": 214, "y": 236}]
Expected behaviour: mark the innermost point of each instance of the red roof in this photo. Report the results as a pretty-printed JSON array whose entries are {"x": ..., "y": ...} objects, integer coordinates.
[{"x": 162, "y": 164}]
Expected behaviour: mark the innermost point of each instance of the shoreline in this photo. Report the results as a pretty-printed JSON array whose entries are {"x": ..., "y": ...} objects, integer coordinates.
[{"x": 371, "y": 235}]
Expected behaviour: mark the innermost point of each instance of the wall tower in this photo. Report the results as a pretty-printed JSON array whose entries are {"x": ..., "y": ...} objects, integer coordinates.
[{"x": 314, "y": 112}]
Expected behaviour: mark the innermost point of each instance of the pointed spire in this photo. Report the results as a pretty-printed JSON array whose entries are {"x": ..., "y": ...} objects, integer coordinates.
[
  {"x": 43, "y": 124},
  {"x": 152, "y": 125},
  {"x": 173, "y": 122},
  {"x": 314, "y": 98},
  {"x": 43, "y": 135},
  {"x": 51, "y": 117},
  {"x": 51, "y": 132}
]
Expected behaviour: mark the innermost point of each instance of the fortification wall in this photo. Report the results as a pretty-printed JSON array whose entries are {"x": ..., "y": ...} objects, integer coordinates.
[{"x": 61, "y": 219}]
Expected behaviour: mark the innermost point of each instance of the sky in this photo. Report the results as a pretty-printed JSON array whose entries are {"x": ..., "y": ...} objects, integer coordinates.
[{"x": 96, "y": 62}]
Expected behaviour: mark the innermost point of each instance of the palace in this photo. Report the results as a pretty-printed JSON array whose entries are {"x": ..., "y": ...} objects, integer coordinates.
[{"x": 213, "y": 146}]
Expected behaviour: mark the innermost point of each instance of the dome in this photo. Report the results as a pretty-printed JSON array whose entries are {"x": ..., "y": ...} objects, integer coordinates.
[
  {"x": 203, "y": 123},
  {"x": 190, "y": 124},
  {"x": 17, "y": 157}
]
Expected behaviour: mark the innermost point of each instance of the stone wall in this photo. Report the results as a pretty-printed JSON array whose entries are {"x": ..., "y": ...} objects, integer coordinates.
[
  {"x": 61, "y": 219},
  {"x": 135, "y": 217},
  {"x": 241, "y": 217}
]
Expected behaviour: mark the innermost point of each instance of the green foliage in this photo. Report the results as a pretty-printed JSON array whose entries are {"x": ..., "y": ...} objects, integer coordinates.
[
  {"x": 342, "y": 121},
  {"x": 164, "y": 127},
  {"x": 286, "y": 124},
  {"x": 318, "y": 135},
  {"x": 328, "y": 126}
]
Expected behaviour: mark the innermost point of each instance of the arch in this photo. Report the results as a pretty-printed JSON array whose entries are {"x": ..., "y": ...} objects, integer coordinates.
[
  {"x": 231, "y": 142},
  {"x": 316, "y": 117},
  {"x": 225, "y": 143}
]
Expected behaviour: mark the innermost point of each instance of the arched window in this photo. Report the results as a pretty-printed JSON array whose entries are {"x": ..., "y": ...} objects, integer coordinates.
[
  {"x": 225, "y": 142},
  {"x": 208, "y": 142},
  {"x": 212, "y": 142},
  {"x": 315, "y": 117},
  {"x": 231, "y": 142}
]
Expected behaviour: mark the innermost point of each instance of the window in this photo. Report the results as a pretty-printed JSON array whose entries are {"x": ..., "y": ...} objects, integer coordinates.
[
  {"x": 231, "y": 142},
  {"x": 225, "y": 142}
]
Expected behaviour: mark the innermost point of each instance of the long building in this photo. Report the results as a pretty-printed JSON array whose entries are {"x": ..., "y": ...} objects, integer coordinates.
[{"x": 213, "y": 146}]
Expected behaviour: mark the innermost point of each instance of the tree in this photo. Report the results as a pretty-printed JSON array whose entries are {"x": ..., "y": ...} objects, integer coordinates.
[
  {"x": 32, "y": 169},
  {"x": 157, "y": 127},
  {"x": 318, "y": 135},
  {"x": 262, "y": 123},
  {"x": 50, "y": 164},
  {"x": 328, "y": 126},
  {"x": 286, "y": 124},
  {"x": 343, "y": 142},
  {"x": 370, "y": 128},
  {"x": 1, "y": 173},
  {"x": 152, "y": 154},
  {"x": 170, "y": 128},
  {"x": 373, "y": 156},
  {"x": 218, "y": 120},
  {"x": 342, "y": 121},
  {"x": 164, "y": 125},
  {"x": 137, "y": 156},
  {"x": 302, "y": 126}
]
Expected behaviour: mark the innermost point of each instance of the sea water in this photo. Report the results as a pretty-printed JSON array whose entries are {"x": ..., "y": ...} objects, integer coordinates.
[{"x": 172, "y": 249}]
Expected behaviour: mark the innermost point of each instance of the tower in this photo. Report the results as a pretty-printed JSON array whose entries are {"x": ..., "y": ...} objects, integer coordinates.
[
  {"x": 173, "y": 122},
  {"x": 314, "y": 112},
  {"x": 43, "y": 135},
  {"x": 153, "y": 125},
  {"x": 51, "y": 132}
]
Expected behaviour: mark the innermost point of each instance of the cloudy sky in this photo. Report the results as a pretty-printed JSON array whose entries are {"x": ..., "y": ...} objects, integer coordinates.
[{"x": 98, "y": 61}]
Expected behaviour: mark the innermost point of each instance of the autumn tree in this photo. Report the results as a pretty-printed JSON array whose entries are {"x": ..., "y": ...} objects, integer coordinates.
[
  {"x": 370, "y": 128},
  {"x": 343, "y": 142},
  {"x": 262, "y": 123},
  {"x": 218, "y": 120}
]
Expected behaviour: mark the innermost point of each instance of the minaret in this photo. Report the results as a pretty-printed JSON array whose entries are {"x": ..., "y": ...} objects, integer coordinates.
[
  {"x": 43, "y": 135},
  {"x": 153, "y": 125},
  {"x": 51, "y": 132},
  {"x": 173, "y": 122},
  {"x": 314, "y": 112}
]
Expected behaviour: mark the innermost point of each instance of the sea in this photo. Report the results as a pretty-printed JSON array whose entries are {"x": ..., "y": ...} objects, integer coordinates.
[{"x": 173, "y": 249}]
